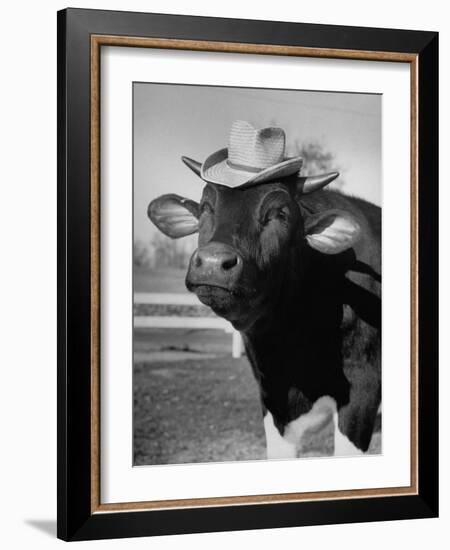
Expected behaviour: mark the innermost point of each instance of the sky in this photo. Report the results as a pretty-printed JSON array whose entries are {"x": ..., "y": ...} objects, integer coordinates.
[{"x": 171, "y": 120}]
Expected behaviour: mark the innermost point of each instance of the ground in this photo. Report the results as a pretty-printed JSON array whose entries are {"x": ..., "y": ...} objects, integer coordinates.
[{"x": 167, "y": 279}]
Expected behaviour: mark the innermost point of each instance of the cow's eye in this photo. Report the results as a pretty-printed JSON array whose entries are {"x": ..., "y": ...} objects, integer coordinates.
[
  {"x": 278, "y": 213},
  {"x": 206, "y": 207}
]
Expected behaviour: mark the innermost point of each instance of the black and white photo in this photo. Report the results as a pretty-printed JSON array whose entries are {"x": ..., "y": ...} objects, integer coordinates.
[{"x": 256, "y": 274}]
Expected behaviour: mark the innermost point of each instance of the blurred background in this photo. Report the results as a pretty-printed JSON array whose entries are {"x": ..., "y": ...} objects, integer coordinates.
[{"x": 195, "y": 399}]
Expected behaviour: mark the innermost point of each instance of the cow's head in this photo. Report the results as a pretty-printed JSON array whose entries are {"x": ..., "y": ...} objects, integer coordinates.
[{"x": 248, "y": 238}]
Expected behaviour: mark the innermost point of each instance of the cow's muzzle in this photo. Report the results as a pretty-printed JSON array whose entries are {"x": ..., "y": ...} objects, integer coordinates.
[{"x": 214, "y": 265}]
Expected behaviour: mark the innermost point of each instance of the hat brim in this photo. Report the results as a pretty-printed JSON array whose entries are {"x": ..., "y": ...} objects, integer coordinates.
[{"x": 216, "y": 169}]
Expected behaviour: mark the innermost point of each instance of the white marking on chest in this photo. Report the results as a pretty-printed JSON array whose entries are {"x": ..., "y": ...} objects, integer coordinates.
[
  {"x": 315, "y": 419},
  {"x": 277, "y": 445},
  {"x": 288, "y": 445}
]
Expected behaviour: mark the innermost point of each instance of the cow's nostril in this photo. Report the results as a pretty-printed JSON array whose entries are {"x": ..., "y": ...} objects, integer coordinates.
[
  {"x": 229, "y": 263},
  {"x": 197, "y": 260}
]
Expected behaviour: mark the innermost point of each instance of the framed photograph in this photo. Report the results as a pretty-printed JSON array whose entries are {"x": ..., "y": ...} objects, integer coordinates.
[{"x": 247, "y": 254}]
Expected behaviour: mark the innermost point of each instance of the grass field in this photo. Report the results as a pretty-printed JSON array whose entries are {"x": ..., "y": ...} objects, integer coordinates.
[
  {"x": 159, "y": 280},
  {"x": 194, "y": 403}
]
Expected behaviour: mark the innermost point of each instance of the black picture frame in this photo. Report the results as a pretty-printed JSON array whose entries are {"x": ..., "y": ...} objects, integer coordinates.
[{"x": 76, "y": 518}]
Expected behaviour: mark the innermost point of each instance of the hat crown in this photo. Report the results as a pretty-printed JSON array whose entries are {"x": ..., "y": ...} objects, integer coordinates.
[
  {"x": 252, "y": 157},
  {"x": 249, "y": 147}
]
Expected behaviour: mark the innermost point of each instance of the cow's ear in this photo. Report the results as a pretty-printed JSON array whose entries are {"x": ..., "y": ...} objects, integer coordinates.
[
  {"x": 175, "y": 216},
  {"x": 332, "y": 232}
]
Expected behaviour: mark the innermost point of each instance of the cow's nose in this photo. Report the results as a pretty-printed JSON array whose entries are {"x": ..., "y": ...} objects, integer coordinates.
[
  {"x": 215, "y": 264},
  {"x": 216, "y": 257}
]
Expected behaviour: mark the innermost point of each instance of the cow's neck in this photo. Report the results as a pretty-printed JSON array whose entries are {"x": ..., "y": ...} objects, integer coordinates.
[
  {"x": 290, "y": 360},
  {"x": 305, "y": 295}
]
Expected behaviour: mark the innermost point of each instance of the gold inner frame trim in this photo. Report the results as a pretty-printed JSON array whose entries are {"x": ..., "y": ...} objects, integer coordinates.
[{"x": 97, "y": 41}]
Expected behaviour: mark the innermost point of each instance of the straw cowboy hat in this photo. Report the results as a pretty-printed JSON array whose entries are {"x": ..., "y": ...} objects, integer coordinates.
[{"x": 252, "y": 157}]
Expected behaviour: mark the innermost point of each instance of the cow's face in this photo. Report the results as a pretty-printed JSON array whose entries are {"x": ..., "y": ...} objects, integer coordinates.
[{"x": 248, "y": 239}]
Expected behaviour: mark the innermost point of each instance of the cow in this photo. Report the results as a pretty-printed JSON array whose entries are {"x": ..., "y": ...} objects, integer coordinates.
[{"x": 295, "y": 267}]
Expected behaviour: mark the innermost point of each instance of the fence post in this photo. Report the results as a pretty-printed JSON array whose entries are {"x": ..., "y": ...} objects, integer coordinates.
[{"x": 237, "y": 344}]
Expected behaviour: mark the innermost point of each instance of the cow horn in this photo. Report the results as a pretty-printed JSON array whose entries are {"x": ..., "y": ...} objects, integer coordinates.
[
  {"x": 192, "y": 164},
  {"x": 310, "y": 184}
]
